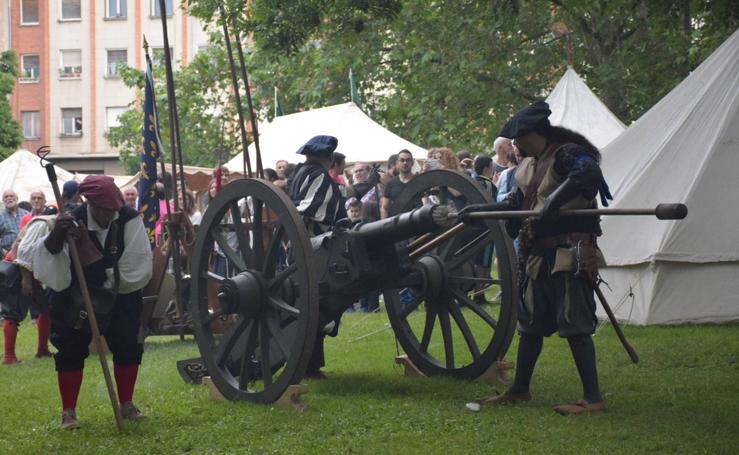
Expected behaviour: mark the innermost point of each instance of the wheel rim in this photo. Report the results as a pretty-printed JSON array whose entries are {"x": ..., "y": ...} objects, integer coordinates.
[
  {"x": 444, "y": 331},
  {"x": 266, "y": 309}
]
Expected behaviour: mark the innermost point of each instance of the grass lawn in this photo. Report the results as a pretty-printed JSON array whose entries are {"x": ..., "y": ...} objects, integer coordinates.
[{"x": 682, "y": 397}]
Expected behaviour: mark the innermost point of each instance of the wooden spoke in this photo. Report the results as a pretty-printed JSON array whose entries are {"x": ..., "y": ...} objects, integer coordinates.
[
  {"x": 459, "y": 318},
  {"x": 246, "y": 369},
  {"x": 213, "y": 316},
  {"x": 228, "y": 342},
  {"x": 213, "y": 276},
  {"x": 273, "y": 325},
  {"x": 264, "y": 340},
  {"x": 446, "y": 334},
  {"x": 483, "y": 236},
  {"x": 428, "y": 328},
  {"x": 281, "y": 276},
  {"x": 472, "y": 280},
  {"x": 258, "y": 234},
  {"x": 273, "y": 251},
  {"x": 443, "y": 195},
  {"x": 226, "y": 249},
  {"x": 410, "y": 307},
  {"x": 464, "y": 300},
  {"x": 467, "y": 254},
  {"x": 280, "y": 305},
  {"x": 242, "y": 233}
]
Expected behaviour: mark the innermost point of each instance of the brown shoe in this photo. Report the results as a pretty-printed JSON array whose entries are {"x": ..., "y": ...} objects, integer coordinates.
[
  {"x": 581, "y": 407},
  {"x": 69, "y": 420},
  {"x": 43, "y": 354},
  {"x": 11, "y": 361},
  {"x": 505, "y": 399},
  {"x": 131, "y": 412}
]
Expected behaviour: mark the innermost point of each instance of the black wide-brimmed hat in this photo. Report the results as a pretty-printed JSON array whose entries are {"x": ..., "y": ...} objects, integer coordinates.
[
  {"x": 531, "y": 118},
  {"x": 319, "y": 145}
]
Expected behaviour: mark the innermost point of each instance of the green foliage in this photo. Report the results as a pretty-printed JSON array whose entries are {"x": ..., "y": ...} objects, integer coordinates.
[
  {"x": 11, "y": 135},
  {"x": 680, "y": 398},
  {"x": 451, "y": 72},
  {"x": 204, "y": 108}
]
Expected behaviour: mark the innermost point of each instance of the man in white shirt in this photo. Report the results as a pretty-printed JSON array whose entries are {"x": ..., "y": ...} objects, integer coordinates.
[{"x": 122, "y": 265}]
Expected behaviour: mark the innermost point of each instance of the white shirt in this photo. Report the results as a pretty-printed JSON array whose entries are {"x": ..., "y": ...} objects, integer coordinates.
[
  {"x": 55, "y": 270},
  {"x": 37, "y": 229}
]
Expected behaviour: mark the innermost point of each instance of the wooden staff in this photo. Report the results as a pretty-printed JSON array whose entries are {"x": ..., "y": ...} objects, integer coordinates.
[{"x": 91, "y": 318}]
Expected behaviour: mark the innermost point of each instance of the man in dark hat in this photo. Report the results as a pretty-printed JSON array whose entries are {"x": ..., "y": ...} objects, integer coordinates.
[
  {"x": 559, "y": 257},
  {"x": 319, "y": 200},
  {"x": 312, "y": 189},
  {"x": 120, "y": 264}
]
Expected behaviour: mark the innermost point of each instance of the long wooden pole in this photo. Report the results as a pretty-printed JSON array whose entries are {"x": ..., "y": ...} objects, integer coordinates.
[
  {"x": 174, "y": 142},
  {"x": 91, "y": 318},
  {"x": 237, "y": 94}
]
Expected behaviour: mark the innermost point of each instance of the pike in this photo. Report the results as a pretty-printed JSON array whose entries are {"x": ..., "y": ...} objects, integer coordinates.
[
  {"x": 74, "y": 254},
  {"x": 176, "y": 150}
]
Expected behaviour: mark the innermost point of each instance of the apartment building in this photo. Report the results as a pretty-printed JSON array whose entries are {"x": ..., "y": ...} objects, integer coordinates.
[{"x": 69, "y": 93}]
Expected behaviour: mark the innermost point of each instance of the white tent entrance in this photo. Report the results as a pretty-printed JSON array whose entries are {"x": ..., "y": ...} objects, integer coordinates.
[{"x": 684, "y": 149}]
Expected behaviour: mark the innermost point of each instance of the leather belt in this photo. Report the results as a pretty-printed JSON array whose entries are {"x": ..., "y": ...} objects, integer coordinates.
[{"x": 568, "y": 240}]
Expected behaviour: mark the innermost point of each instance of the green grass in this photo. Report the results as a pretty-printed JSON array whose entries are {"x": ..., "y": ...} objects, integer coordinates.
[{"x": 683, "y": 397}]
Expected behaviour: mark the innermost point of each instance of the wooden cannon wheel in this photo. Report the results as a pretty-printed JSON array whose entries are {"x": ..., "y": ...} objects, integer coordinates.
[
  {"x": 470, "y": 337},
  {"x": 268, "y": 297}
]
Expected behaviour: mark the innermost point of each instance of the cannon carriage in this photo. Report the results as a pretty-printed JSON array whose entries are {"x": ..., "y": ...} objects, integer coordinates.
[{"x": 284, "y": 286}]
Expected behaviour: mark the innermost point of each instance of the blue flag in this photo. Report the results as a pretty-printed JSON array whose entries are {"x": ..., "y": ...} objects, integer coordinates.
[{"x": 148, "y": 201}]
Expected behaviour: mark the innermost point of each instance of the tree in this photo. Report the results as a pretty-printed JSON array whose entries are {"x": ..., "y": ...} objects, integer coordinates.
[
  {"x": 11, "y": 135},
  {"x": 451, "y": 72}
]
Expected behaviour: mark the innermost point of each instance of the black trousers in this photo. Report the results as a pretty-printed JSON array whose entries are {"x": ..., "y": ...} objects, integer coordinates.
[{"x": 120, "y": 329}]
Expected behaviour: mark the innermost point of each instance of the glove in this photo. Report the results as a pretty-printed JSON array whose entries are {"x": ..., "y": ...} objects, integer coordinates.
[
  {"x": 562, "y": 195},
  {"x": 65, "y": 226}
]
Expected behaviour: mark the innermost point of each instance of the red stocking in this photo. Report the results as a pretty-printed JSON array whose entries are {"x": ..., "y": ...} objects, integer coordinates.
[
  {"x": 10, "y": 331},
  {"x": 44, "y": 327},
  {"x": 69, "y": 388},
  {"x": 125, "y": 380}
]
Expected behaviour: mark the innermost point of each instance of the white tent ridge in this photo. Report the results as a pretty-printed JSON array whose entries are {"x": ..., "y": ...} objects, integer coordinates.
[
  {"x": 360, "y": 137},
  {"x": 22, "y": 172},
  {"x": 684, "y": 149},
  {"x": 576, "y": 107}
]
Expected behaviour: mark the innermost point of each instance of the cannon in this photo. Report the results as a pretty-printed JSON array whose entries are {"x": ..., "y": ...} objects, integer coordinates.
[{"x": 256, "y": 325}]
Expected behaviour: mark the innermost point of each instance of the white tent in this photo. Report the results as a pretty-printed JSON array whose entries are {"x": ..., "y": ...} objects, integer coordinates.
[
  {"x": 360, "y": 138},
  {"x": 684, "y": 149},
  {"x": 576, "y": 107},
  {"x": 23, "y": 173}
]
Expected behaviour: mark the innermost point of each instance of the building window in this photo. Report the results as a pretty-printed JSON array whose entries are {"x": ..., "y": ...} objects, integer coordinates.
[
  {"x": 72, "y": 122},
  {"x": 113, "y": 116},
  {"x": 31, "y": 124},
  {"x": 29, "y": 12},
  {"x": 115, "y": 9},
  {"x": 71, "y": 63},
  {"x": 157, "y": 55},
  {"x": 116, "y": 60},
  {"x": 31, "y": 68},
  {"x": 71, "y": 9},
  {"x": 156, "y": 12}
]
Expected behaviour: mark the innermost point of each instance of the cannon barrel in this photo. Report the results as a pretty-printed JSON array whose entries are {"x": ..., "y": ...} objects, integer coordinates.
[{"x": 406, "y": 225}]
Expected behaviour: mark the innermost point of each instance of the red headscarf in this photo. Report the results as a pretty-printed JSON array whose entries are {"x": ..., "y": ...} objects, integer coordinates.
[{"x": 101, "y": 191}]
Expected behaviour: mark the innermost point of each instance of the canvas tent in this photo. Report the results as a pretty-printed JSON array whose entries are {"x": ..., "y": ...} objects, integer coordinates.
[
  {"x": 360, "y": 138},
  {"x": 576, "y": 107},
  {"x": 23, "y": 173},
  {"x": 684, "y": 149}
]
